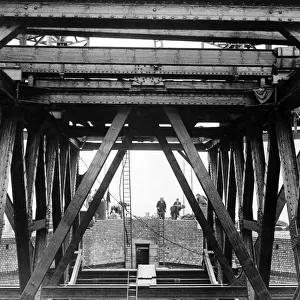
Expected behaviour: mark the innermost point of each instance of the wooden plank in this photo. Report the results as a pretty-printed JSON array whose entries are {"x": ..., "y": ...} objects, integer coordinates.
[
  {"x": 7, "y": 139},
  {"x": 88, "y": 216},
  {"x": 8, "y": 30},
  {"x": 290, "y": 180},
  {"x": 75, "y": 205},
  {"x": 219, "y": 208},
  {"x": 31, "y": 159},
  {"x": 18, "y": 182},
  {"x": 265, "y": 243},
  {"x": 209, "y": 267},
  {"x": 206, "y": 227},
  {"x": 41, "y": 203},
  {"x": 137, "y": 56},
  {"x": 76, "y": 267}
]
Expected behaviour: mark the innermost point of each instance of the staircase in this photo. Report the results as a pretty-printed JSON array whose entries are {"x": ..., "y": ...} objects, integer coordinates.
[{"x": 127, "y": 211}]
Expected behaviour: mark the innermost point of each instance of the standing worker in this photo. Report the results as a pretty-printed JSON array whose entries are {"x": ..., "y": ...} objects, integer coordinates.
[
  {"x": 161, "y": 208},
  {"x": 175, "y": 209}
]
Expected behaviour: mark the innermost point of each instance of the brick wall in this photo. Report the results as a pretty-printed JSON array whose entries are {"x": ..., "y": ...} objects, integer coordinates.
[
  {"x": 8, "y": 255},
  {"x": 103, "y": 243}
]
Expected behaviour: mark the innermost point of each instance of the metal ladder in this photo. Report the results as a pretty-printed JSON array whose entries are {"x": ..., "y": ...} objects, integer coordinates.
[
  {"x": 161, "y": 241},
  {"x": 127, "y": 211},
  {"x": 132, "y": 287}
]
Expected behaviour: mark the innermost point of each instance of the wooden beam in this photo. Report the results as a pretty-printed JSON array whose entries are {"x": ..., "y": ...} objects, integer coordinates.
[
  {"x": 258, "y": 160},
  {"x": 8, "y": 30},
  {"x": 9, "y": 211},
  {"x": 292, "y": 34},
  {"x": 56, "y": 202},
  {"x": 245, "y": 207},
  {"x": 7, "y": 139},
  {"x": 137, "y": 56},
  {"x": 252, "y": 37},
  {"x": 18, "y": 181},
  {"x": 207, "y": 229},
  {"x": 291, "y": 181},
  {"x": 219, "y": 208},
  {"x": 75, "y": 205},
  {"x": 88, "y": 216},
  {"x": 31, "y": 160},
  {"x": 41, "y": 203},
  {"x": 37, "y": 225},
  {"x": 142, "y": 146},
  {"x": 268, "y": 222},
  {"x": 8, "y": 87},
  {"x": 230, "y": 196}
]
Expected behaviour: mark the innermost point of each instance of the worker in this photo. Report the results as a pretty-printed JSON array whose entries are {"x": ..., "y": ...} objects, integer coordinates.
[
  {"x": 161, "y": 208},
  {"x": 175, "y": 209}
]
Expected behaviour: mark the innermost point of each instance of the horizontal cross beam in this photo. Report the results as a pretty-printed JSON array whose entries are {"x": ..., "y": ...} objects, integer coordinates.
[
  {"x": 203, "y": 99},
  {"x": 89, "y": 70},
  {"x": 161, "y": 291},
  {"x": 141, "y": 82},
  {"x": 252, "y": 37},
  {"x": 138, "y": 56},
  {"x": 56, "y": 13}
]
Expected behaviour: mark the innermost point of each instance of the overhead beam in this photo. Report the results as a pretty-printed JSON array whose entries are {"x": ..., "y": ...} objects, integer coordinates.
[
  {"x": 112, "y": 71},
  {"x": 57, "y": 13},
  {"x": 234, "y": 36},
  {"x": 138, "y": 84},
  {"x": 203, "y": 99},
  {"x": 219, "y": 208},
  {"x": 137, "y": 56},
  {"x": 74, "y": 206}
]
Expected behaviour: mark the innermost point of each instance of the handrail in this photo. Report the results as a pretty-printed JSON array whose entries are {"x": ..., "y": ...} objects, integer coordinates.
[
  {"x": 76, "y": 268},
  {"x": 209, "y": 268}
]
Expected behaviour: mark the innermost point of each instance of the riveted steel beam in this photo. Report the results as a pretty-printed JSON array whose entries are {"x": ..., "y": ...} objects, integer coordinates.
[
  {"x": 234, "y": 36},
  {"x": 206, "y": 99},
  {"x": 89, "y": 70},
  {"x": 138, "y": 56},
  {"x": 55, "y": 13}
]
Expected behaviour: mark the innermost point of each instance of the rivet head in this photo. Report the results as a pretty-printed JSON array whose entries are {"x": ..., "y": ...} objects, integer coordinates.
[{"x": 154, "y": 9}]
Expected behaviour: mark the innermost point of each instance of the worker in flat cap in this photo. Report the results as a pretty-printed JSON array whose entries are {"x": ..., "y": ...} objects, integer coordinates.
[{"x": 161, "y": 208}]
